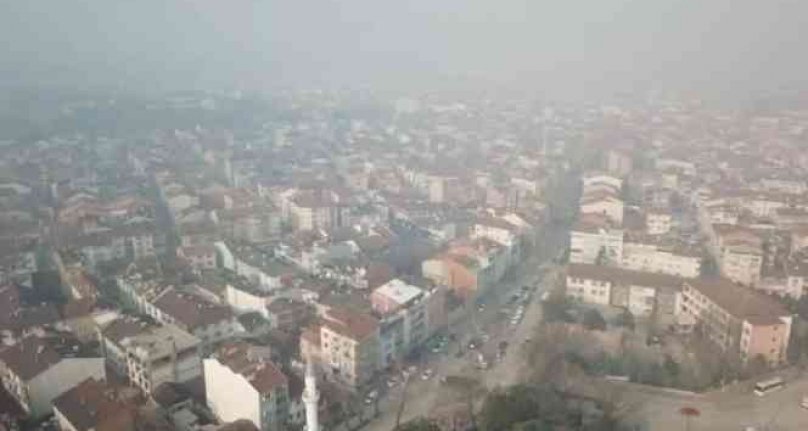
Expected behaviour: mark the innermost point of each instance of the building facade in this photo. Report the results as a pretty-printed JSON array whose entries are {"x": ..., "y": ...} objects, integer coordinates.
[{"x": 737, "y": 319}]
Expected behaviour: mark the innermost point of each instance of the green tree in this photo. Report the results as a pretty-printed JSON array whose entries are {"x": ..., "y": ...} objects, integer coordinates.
[
  {"x": 504, "y": 409},
  {"x": 420, "y": 424},
  {"x": 594, "y": 321},
  {"x": 626, "y": 320},
  {"x": 602, "y": 258},
  {"x": 556, "y": 307},
  {"x": 802, "y": 307},
  {"x": 709, "y": 267}
]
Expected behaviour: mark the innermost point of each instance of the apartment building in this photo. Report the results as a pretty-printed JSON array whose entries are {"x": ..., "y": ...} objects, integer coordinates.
[
  {"x": 593, "y": 239},
  {"x": 739, "y": 252},
  {"x": 469, "y": 268},
  {"x": 738, "y": 319},
  {"x": 161, "y": 354},
  {"x": 405, "y": 318},
  {"x": 650, "y": 255},
  {"x": 642, "y": 293},
  {"x": 346, "y": 345},
  {"x": 241, "y": 383},
  {"x": 594, "y": 180},
  {"x": 112, "y": 333},
  {"x": 603, "y": 203},
  {"x": 741, "y": 263},
  {"x": 657, "y": 222},
  {"x": 314, "y": 209},
  {"x": 208, "y": 321},
  {"x": 199, "y": 257},
  {"x": 35, "y": 371}
]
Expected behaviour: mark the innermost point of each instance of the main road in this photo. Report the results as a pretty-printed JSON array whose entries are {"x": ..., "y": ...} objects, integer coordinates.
[{"x": 490, "y": 325}]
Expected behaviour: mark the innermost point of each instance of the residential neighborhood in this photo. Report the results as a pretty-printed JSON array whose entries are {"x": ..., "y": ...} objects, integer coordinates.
[{"x": 330, "y": 269}]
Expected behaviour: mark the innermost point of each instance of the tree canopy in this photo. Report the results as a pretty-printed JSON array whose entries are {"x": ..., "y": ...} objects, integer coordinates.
[
  {"x": 420, "y": 424},
  {"x": 593, "y": 320}
]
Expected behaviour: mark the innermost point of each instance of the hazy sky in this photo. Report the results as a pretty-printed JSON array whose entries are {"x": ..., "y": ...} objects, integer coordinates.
[{"x": 569, "y": 45}]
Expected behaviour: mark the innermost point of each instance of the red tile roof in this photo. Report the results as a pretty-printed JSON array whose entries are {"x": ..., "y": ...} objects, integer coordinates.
[
  {"x": 354, "y": 325},
  {"x": 93, "y": 406},
  {"x": 29, "y": 357},
  {"x": 190, "y": 310},
  {"x": 264, "y": 376}
]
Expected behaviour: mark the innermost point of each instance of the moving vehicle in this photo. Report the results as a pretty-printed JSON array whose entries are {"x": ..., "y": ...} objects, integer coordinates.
[{"x": 767, "y": 386}]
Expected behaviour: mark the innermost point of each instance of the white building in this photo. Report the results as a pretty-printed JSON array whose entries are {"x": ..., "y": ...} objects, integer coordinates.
[
  {"x": 657, "y": 223},
  {"x": 240, "y": 384},
  {"x": 34, "y": 374},
  {"x": 311, "y": 397},
  {"x": 642, "y": 293},
  {"x": 604, "y": 204},
  {"x": 110, "y": 335},
  {"x": 650, "y": 256},
  {"x": 594, "y": 180},
  {"x": 405, "y": 321},
  {"x": 589, "y": 243},
  {"x": 243, "y": 300},
  {"x": 741, "y": 264},
  {"x": 346, "y": 345}
]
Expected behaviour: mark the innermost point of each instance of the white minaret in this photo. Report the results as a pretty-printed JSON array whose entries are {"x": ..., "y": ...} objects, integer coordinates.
[{"x": 310, "y": 398}]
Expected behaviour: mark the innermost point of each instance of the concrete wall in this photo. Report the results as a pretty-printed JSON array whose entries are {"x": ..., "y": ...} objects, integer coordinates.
[
  {"x": 229, "y": 395},
  {"x": 244, "y": 302}
]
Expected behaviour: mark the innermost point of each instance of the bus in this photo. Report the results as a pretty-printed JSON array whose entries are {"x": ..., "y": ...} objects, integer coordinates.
[{"x": 767, "y": 386}]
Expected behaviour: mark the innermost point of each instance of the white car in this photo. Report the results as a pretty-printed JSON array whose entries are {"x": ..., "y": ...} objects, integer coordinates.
[{"x": 427, "y": 374}]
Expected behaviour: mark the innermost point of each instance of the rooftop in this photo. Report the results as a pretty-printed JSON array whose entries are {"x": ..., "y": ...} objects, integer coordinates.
[
  {"x": 160, "y": 341},
  {"x": 191, "y": 311},
  {"x": 354, "y": 325},
  {"x": 29, "y": 357},
  {"x": 126, "y": 326},
  {"x": 398, "y": 291},
  {"x": 262, "y": 374},
  {"x": 92, "y": 405},
  {"x": 739, "y": 301},
  {"x": 623, "y": 276}
]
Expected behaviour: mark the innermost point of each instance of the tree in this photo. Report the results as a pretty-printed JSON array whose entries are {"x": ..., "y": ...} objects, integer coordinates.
[
  {"x": 602, "y": 257},
  {"x": 520, "y": 405},
  {"x": 469, "y": 388},
  {"x": 626, "y": 320},
  {"x": 555, "y": 307},
  {"x": 594, "y": 321},
  {"x": 758, "y": 365},
  {"x": 420, "y": 424},
  {"x": 802, "y": 307},
  {"x": 709, "y": 267}
]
